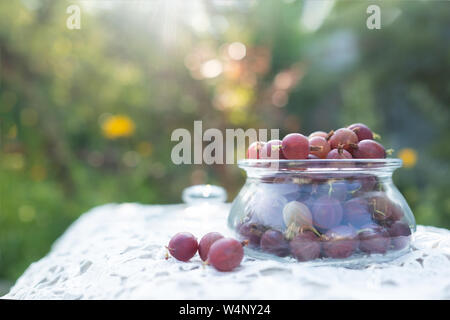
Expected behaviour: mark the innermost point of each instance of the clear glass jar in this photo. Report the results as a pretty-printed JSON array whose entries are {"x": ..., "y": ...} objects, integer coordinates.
[{"x": 322, "y": 211}]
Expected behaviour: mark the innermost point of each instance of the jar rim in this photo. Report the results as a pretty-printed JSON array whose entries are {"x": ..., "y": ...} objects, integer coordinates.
[{"x": 386, "y": 164}]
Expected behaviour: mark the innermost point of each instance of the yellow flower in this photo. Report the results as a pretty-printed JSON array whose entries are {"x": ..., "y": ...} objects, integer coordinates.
[
  {"x": 118, "y": 126},
  {"x": 409, "y": 157}
]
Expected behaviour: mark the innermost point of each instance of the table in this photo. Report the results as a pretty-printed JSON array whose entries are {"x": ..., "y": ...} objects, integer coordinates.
[{"x": 117, "y": 251}]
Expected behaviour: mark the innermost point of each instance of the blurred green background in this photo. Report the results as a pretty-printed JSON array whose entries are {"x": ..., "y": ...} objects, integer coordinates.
[{"x": 86, "y": 115}]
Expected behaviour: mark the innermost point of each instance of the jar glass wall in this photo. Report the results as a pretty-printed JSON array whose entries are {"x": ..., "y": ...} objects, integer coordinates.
[{"x": 322, "y": 211}]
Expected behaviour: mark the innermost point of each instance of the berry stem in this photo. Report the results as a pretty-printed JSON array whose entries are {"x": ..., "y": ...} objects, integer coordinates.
[
  {"x": 311, "y": 228},
  {"x": 329, "y": 135},
  {"x": 245, "y": 243},
  {"x": 315, "y": 148},
  {"x": 356, "y": 190},
  {"x": 380, "y": 212},
  {"x": 390, "y": 151},
  {"x": 291, "y": 231}
]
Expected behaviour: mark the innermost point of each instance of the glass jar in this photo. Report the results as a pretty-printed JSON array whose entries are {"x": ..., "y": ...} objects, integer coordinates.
[{"x": 322, "y": 211}]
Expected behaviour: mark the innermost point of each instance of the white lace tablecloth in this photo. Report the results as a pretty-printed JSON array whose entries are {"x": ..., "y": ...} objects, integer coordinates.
[{"x": 117, "y": 251}]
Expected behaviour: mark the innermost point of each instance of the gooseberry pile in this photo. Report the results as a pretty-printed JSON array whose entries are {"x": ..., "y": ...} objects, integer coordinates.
[
  {"x": 312, "y": 218},
  {"x": 323, "y": 215},
  {"x": 355, "y": 141},
  {"x": 224, "y": 254}
]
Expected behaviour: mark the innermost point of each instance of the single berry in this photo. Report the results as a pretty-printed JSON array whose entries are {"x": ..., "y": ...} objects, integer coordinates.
[
  {"x": 373, "y": 239},
  {"x": 400, "y": 235},
  {"x": 368, "y": 183},
  {"x": 327, "y": 212},
  {"x": 206, "y": 242},
  {"x": 383, "y": 209},
  {"x": 362, "y": 131},
  {"x": 397, "y": 212},
  {"x": 183, "y": 246},
  {"x": 343, "y": 138},
  {"x": 322, "y": 134},
  {"x": 273, "y": 241},
  {"x": 356, "y": 212},
  {"x": 305, "y": 246},
  {"x": 251, "y": 232},
  {"x": 254, "y": 150},
  {"x": 295, "y": 146},
  {"x": 297, "y": 213},
  {"x": 319, "y": 146},
  {"x": 225, "y": 254},
  {"x": 272, "y": 150},
  {"x": 369, "y": 149},
  {"x": 340, "y": 242},
  {"x": 339, "y": 154},
  {"x": 380, "y": 206}
]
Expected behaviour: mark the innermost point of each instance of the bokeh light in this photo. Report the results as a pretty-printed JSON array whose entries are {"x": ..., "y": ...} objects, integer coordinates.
[
  {"x": 211, "y": 68},
  {"x": 237, "y": 51}
]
